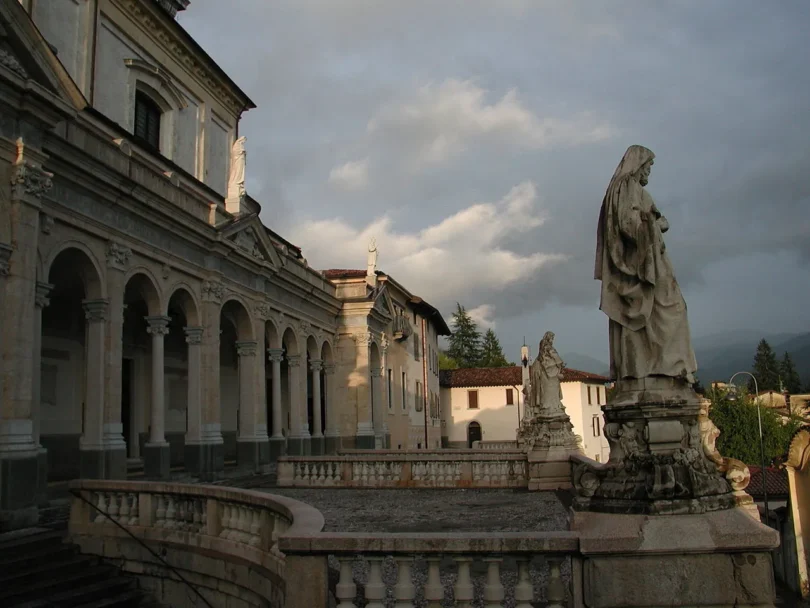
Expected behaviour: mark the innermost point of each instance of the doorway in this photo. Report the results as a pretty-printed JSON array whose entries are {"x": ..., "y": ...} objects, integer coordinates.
[{"x": 473, "y": 433}]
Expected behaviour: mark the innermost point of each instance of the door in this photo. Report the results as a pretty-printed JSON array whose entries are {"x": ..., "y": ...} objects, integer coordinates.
[{"x": 473, "y": 433}]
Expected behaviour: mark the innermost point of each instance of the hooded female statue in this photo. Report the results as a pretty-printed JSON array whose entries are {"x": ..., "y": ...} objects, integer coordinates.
[
  {"x": 546, "y": 377},
  {"x": 649, "y": 331}
]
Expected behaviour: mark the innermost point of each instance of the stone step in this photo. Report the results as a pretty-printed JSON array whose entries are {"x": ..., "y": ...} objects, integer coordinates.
[
  {"x": 53, "y": 580},
  {"x": 125, "y": 599},
  {"x": 19, "y": 561},
  {"x": 40, "y": 570},
  {"x": 118, "y": 588},
  {"x": 28, "y": 539}
]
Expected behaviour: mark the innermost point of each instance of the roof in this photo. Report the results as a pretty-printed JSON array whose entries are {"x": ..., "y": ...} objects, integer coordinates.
[
  {"x": 777, "y": 482},
  {"x": 505, "y": 376}
]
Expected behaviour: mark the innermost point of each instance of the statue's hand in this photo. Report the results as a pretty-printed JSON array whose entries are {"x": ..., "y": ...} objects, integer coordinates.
[{"x": 663, "y": 224}]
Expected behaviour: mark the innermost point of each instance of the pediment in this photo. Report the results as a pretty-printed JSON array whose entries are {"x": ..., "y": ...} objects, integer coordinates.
[
  {"x": 382, "y": 304},
  {"x": 26, "y": 54},
  {"x": 247, "y": 236}
]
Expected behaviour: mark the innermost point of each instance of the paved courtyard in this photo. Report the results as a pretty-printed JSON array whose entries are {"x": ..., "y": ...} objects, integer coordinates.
[{"x": 408, "y": 510}]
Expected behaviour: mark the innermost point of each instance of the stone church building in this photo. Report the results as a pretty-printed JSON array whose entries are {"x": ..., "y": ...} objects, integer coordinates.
[{"x": 149, "y": 318}]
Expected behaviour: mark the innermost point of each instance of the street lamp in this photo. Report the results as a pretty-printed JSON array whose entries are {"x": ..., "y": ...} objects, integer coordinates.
[{"x": 732, "y": 396}]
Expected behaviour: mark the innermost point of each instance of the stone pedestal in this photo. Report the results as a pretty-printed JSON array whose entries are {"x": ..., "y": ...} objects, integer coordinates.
[
  {"x": 365, "y": 442},
  {"x": 252, "y": 454},
  {"x": 713, "y": 559},
  {"x": 299, "y": 446},
  {"x": 550, "y": 467},
  {"x": 277, "y": 447},
  {"x": 156, "y": 460},
  {"x": 331, "y": 443},
  {"x": 205, "y": 460},
  {"x": 317, "y": 445}
]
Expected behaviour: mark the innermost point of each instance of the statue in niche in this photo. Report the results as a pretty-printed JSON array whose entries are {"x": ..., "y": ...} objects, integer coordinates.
[
  {"x": 546, "y": 374},
  {"x": 236, "y": 178},
  {"x": 649, "y": 330}
]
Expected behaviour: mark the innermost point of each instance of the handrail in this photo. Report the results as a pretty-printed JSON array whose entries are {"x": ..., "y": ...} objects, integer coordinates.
[{"x": 77, "y": 494}]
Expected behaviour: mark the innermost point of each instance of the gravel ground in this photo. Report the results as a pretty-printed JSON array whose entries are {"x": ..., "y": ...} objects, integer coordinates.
[{"x": 407, "y": 510}]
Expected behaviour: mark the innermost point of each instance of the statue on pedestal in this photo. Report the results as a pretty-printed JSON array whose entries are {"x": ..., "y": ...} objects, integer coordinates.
[{"x": 236, "y": 177}]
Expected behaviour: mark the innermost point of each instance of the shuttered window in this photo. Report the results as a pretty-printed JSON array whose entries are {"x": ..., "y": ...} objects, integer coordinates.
[
  {"x": 147, "y": 120},
  {"x": 472, "y": 400},
  {"x": 510, "y": 397}
]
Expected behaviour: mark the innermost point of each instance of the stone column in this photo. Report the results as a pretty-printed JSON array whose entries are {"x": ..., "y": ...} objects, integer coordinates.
[
  {"x": 317, "y": 442},
  {"x": 277, "y": 441},
  {"x": 260, "y": 399},
  {"x": 298, "y": 440},
  {"x": 194, "y": 406},
  {"x": 364, "y": 439},
  {"x": 156, "y": 453},
  {"x": 115, "y": 446},
  {"x": 378, "y": 407},
  {"x": 40, "y": 302},
  {"x": 332, "y": 436},
  {"x": 91, "y": 446},
  {"x": 247, "y": 443},
  {"x": 206, "y": 457}
]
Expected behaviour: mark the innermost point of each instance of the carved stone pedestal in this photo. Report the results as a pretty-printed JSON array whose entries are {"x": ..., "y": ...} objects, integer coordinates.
[
  {"x": 551, "y": 442},
  {"x": 713, "y": 559},
  {"x": 658, "y": 464}
]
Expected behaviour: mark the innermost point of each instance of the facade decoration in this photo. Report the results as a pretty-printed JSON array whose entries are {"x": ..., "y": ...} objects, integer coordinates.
[
  {"x": 213, "y": 291},
  {"x": 236, "y": 177},
  {"x": 5, "y": 258},
  {"x": 45, "y": 223},
  {"x": 28, "y": 178},
  {"x": 12, "y": 63},
  {"x": 118, "y": 256},
  {"x": 246, "y": 241}
]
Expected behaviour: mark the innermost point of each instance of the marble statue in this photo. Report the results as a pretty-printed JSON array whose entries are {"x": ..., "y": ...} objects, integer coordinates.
[
  {"x": 649, "y": 331},
  {"x": 236, "y": 178},
  {"x": 546, "y": 374}
]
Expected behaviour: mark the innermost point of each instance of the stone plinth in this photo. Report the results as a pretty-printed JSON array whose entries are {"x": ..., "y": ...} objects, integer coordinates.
[
  {"x": 658, "y": 463},
  {"x": 712, "y": 559},
  {"x": 550, "y": 467}
]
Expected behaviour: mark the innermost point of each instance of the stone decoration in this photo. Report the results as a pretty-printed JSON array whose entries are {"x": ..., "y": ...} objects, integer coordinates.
[
  {"x": 10, "y": 61},
  {"x": 246, "y": 241},
  {"x": 246, "y": 348},
  {"x": 212, "y": 291},
  {"x": 46, "y": 223},
  {"x": 165, "y": 271},
  {"x": 5, "y": 257},
  {"x": 43, "y": 290},
  {"x": 28, "y": 178},
  {"x": 362, "y": 339},
  {"x": 118, "y": 256},
  {"x": 95, "y": 311},
  {"x": 263, "y": 310},
  {"x": 236, "y": 178},
  {"x": 304, "y": 328},
  {"x": 193, "y": 335}
]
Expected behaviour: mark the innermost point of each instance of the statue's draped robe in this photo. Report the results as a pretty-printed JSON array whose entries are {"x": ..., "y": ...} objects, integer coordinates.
[
  {"x": 649, "y": 331},
  {"x": 547, "y": 376}
]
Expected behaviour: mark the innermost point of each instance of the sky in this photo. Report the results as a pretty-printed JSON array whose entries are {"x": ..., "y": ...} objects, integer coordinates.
[{"x": 475, "y": 139}]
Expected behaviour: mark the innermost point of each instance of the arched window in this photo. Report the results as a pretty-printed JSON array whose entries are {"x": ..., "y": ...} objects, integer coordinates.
[{"x": 147, "y": 120}]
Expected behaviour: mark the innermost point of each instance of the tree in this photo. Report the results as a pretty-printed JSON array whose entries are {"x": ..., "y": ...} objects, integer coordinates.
[
  {"x": 446, "y": 362},
  {"x": 698, "y": 387},
  {"x": 465, "y": 342},
  {"x": 766, "y": 368},
  {"x": 790, "y": 377},
  {"x": 739, "y": 428},
  {"x": 491, "y": 351}
]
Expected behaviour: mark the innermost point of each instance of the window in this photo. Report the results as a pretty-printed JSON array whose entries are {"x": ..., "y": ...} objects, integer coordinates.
[
  {"x": 147, "y": 120},
  {"x": 390, "y": 378},
  {"x": 595, "y": 426},
  {"x": 416, "y": 345},
  {"x": 418, "y": 397},
  {"x": 510, "y": 396},
  {"x": 404, "y": 392},
  {"x": 472, "y": 400},
  {"x": 598, "y": 395},
  {"x": 589, "y": 396}
]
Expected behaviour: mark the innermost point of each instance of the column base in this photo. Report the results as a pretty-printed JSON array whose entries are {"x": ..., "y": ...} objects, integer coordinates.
[
  {"x": 205, "y": 460},
  {"x": 103, "y": 464},
  {"x": 365, "y": 442},
  {"x": 19, "y": 491},
  {"x": 278, "y": 447},
  {"x": 331, "y": 444},
  {"x": 299, "y": 446},
  {"x": 252, "y": 453},
  {"x": 317, "y": 446},
  {"x": 157, "y": 460}
]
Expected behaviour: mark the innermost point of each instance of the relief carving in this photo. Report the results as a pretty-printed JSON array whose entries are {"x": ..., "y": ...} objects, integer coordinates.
[
  {"x": 118, "y": 255},
  {"x": 28, "y": 177},
  {"x": 212, "y": 291}
]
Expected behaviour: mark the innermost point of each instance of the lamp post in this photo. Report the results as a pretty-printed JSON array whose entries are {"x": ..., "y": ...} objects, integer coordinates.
[{"x": 761, "y": 442}]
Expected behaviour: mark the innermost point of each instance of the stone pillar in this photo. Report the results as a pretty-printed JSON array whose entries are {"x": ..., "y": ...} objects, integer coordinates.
[
  {"x": 156, "y": 453},
  {"x": 249, "y": 446},
  {"x": 41, "y": 301},
  {"x": 298, "y": 442},
  {"x": 377, "y": 405},
  {"x": 91, "y": 445},
  {"x": 205, "y": 457},
  {"x": 364, "y": 439},
  {"x": 115, "y": 447},
  {"x": 194, "y": 406},
  {"x": 277, "y": 441},
  {"x": 332, "y": 436},
  {"x": 260, "y": 398},
  {"x": 316, "y": 365}
]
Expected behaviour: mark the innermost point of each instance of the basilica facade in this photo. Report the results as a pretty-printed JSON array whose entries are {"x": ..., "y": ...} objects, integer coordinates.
[{"x": 148, "y": 318}]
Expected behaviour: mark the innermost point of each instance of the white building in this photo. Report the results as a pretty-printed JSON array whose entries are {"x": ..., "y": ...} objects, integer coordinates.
[{"x": 486, "y": 404}]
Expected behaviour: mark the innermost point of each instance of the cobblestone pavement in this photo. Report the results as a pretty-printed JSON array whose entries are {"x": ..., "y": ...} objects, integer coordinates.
[{"x": 407, "y": 510}]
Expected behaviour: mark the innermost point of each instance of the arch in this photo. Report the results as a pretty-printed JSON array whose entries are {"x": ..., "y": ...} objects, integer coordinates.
[
  {"x": 183, "y": 296},
  {"x": 236, "y": 312},
  {"x": 474, "y": 432},
  {"x": 163, "y": 90},
  {"x": 272, "y": 335},
  {"x": 326, "y": 353},
  {"x": 312, "y": 348},
  {"x": 290, "y": 342},
  {"x": 81, "y": 260},
  {"x": 374, "y": 356},
  {"x": 142, "y": 282}
]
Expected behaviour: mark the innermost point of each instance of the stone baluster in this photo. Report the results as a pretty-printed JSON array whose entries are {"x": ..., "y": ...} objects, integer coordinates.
[
  {"x": 404, "y": 590},
  {"x": 556, "y": 588},
  {"x": 493, "y": 589},
  {"x": 182, "y": 514},
  {"x": 134, "y": 518},
  {"x": 524, "y": 591},
  {"x": 464, "y": 591},
  {"x": 255, "y": 527},
  {"x": 346, "y": 590},
  {"x": 434, "y": 590},
  {"x": 375, "y": 587},
  {"x": 226, "y": 521},
  {"x": 112, "y": 508},
  {"x": 101, "y": 505},
  {"x": 123, "y": 510},
  {"x": 160, "y": 511},
  {"x": 171, "y": 512}
]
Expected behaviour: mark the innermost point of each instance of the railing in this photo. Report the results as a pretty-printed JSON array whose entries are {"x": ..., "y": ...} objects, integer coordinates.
[
  {"x": 496, "y": 445},
  {"x": 439, "y": 569},
  {"x": 393, "y": 469}
]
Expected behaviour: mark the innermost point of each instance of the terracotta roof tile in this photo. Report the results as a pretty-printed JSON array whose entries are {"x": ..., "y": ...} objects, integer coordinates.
[
  {"x": 505, "y": 376},
  {"x": 777, "y": 481}
]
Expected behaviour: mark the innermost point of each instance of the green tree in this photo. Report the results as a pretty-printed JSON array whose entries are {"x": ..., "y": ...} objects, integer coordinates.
[
  {"x": 790, "y": 376},
  {"x": 465, "y": 343},
  {"x": 491, "y": 351},
  {"x": 446, "y": 362},
  {"x": 739, "y": 428},
  {"x": 766, "y": 367}
]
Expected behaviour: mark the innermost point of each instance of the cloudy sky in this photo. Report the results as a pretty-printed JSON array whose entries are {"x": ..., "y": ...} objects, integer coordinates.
[{"x": 475, "y": 139}]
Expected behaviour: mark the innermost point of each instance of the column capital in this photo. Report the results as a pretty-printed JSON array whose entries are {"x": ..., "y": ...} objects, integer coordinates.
[
  {"x": 42, "y": 291},
  {"x": 95, "y": 311},
  {"x": 193, "y": 335},
  {"x": 316, "y": 364},
  {"x": 377, "y": 373},
  {"x": 294, "y": 360},
  {"x": 158, "y": 325},
  {"x": 5, "y": 256},
  {"x": 275, "y": 355},
  {"x": 246, "y": 348},
  {"x": 329, "y": 369}
]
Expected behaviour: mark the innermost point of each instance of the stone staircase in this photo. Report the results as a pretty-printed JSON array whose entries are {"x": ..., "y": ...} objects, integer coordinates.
[{"x": 38, "y": 570}]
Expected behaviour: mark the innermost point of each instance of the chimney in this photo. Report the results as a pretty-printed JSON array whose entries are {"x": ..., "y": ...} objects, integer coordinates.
[{"x": 371, "y": 264}]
